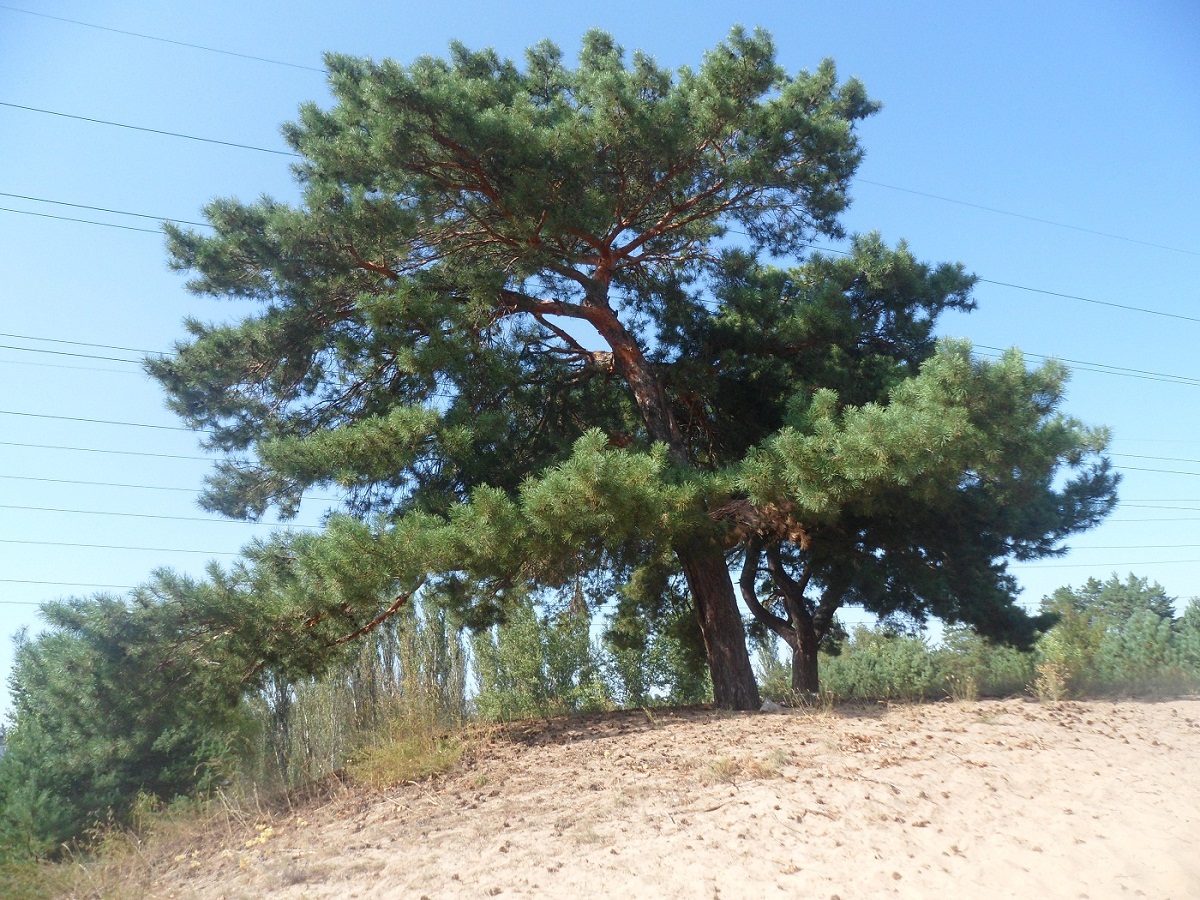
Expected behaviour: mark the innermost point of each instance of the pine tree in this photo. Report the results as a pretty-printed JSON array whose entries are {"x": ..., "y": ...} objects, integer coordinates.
[{"x": 524, "y": 318}]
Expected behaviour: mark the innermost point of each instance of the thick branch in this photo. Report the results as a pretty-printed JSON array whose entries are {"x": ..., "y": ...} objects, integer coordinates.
[
  {"x": 385, "y": 271},
  {"x": 830, "y": 603},
  {"x": 379, "y": 619},
  {"x": 790, "y": 589},
  {"x": 750, "y": 594},
  {"x": 629, "y": 360}
]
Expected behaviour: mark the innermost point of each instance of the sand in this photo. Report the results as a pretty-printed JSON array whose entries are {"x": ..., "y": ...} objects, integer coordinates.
[{"x": 977, "y": 800}]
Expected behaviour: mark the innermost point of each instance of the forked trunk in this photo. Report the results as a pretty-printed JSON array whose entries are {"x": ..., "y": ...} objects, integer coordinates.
[{"x": 708, "y": 579}]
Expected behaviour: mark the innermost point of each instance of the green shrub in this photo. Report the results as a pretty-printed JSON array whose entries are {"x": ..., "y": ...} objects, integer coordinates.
[
  {"x": 533, "y": 665},
  {"x": 1188, "y": 638},
  {"x": 969, "y": 666},
  {"x": 773, "y": 673},
  {"x": 1065, "y": 656},
  {"x": 881, "y": 665}
]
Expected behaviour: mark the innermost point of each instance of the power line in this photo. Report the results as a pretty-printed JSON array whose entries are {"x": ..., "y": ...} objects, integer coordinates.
[
  {"x": 141, "y": 487},
  {"x": 163, "y": 40},
  {"x": 118, "y": 212},
  {"x": 1158, "y": 471},
  {"x": 101, "y": 512},
  {"x": 44, "y": 365},
  {"x": 1169, "y": 499},
  {"x": 158, "y": 131},
  {"x": 27, "y": 212},
  {"x": 1104, "y": 368},
  {"x": 1145, "y": 505},
  {"x": 69, "y": 353},
  {"x": 1022, "y": 287},
  {"x": 113, "y": 452},
  {"x": 1137, "y": 547},
  {"x": 1139, "y": 562},
  {"x": 8, "y": 412},
  {"x": 1159, "y": 521},
  {"x": 1017, "y": 215},
  {"x": 119, "y": 547},
  {"x": 1141, "y": 309},
  {"x": 27, "y": 337},
  {"x": 1042, "y": 291},
  {"x": 1160, "y": 458},
  {"x": 84, "y": 584},
  {"x": 1157, "y": 440}
]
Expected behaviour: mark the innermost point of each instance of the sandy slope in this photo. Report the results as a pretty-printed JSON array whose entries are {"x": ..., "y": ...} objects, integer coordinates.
[{"x": 973, "y": 800}]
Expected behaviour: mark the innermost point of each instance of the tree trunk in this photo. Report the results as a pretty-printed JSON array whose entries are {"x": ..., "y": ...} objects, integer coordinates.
[
  {"x": 806, "y": 677},
  {"x": 703, "y": 565},
  {"x": 708, "y": 579}
]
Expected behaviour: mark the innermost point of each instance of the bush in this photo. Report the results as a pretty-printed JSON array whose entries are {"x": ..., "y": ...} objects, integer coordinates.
[
  {"x": 1065, "y": 656},
  {"x": 969, "y": 666},
  {"x": 1188, "y": 638},
  {"x": 532, "y": 665},
  {"x": 646, "y": 666},
  {"x": 773, "y": 673},
  {"x": 881, "y": 665}
]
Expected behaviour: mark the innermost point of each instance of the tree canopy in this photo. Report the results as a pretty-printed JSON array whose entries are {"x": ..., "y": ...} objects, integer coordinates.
[
  {"x": 1112, "y": 599},
  {"x": 118, "y": 697},
  {"x": 543, "y": 323}
]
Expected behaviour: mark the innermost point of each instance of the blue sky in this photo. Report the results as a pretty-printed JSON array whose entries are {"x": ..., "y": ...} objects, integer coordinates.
[{"x": 1082, "y": 114}]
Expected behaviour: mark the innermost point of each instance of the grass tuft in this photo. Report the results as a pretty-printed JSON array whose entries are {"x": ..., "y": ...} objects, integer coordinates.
[{"x": 413, "y": 747}]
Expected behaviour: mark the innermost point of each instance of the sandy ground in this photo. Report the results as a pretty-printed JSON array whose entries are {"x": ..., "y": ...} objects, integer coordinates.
[{"x": 977, "y": 800}]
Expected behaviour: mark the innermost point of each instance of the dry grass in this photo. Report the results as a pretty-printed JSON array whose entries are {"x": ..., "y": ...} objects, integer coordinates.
[
  {"x": 125, "y": 864},
  {"x": 410, "y": 750},
  {"x": 1053, "y": 679},
  {"x": 962, "y": 688},
  {"x": 34, "y": 881},
  {"x": 727, "y": 770}
]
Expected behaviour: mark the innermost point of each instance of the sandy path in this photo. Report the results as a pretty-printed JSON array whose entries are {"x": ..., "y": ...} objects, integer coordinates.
[{"x": 990, "y": 799}]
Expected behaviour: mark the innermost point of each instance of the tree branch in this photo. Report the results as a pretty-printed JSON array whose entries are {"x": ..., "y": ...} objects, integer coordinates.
[
  {"x": 750, "y": 594},
  {"x": 790, "y": 589},
  {"x": 379, "y": 619}
]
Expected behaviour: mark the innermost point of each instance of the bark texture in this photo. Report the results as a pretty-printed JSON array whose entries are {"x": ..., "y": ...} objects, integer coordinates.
[{"x": 734, "y": 686}]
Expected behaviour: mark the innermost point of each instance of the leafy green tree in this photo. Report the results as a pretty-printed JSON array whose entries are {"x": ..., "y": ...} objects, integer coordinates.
[
  {"x": 509, "y": 319},
  {"x": 109, "y": 702},
  {"x": 1112, "y": 599},
  {"x": 1116, "y": 636},
  {"x": 538, "y": 665},
  {"x": 1189, "y": 636},
  {"x": 914, "y": 504}
]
